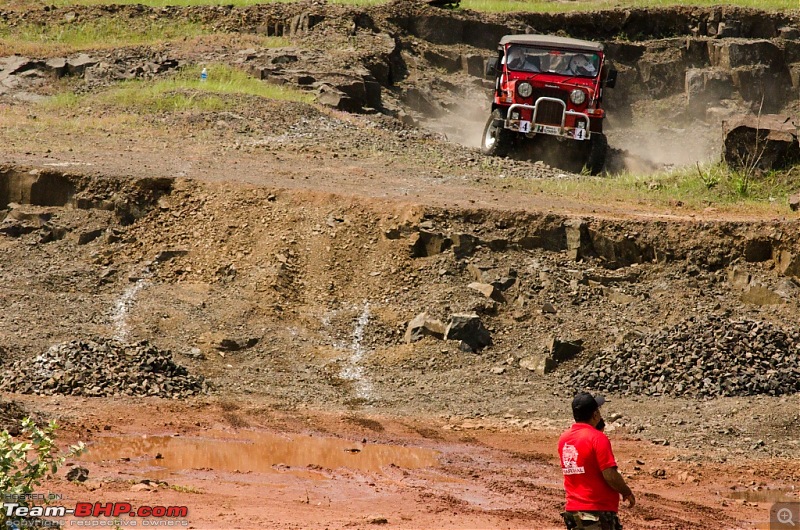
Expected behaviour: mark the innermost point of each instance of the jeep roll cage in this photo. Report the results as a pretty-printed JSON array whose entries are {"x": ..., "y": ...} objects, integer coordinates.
[
  {"x": 494, "y": 65},
  {"x": 548, "y": 41}
]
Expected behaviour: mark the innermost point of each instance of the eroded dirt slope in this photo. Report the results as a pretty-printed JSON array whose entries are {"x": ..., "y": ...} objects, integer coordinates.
[
  {"x": 280, "y": 250},
  {"x": 300, "y": 300}
]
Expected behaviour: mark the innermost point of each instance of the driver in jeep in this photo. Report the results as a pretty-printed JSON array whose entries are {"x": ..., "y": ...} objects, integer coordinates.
[{"x": 516, "y": 58}]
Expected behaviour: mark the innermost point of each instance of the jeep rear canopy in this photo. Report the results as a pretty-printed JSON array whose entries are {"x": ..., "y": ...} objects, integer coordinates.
[{"x": 547, "y": 41}]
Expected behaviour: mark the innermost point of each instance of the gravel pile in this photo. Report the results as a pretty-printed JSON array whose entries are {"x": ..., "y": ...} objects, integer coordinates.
[
  {"x": 102, "y": 367},
  {"x": 701, "y": 357}
]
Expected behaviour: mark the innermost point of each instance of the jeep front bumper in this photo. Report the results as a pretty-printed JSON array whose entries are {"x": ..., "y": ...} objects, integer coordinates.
[{"x": 580, "y": 132}]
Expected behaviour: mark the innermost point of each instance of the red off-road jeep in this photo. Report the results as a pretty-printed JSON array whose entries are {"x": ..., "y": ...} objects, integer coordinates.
[{"x": 550, "y": 86}]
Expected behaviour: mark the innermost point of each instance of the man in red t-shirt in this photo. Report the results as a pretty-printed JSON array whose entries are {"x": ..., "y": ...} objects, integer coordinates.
[{"x": 591, "y": 479}]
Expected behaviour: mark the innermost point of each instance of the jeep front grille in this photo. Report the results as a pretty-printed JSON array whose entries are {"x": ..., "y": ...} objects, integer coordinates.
[{"x": 549, "y": 112}]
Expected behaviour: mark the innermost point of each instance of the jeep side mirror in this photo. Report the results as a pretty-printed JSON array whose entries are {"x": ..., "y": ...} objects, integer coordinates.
[
  {"x": 491, "y": 67},
  {"x": 611, "y": 78}
]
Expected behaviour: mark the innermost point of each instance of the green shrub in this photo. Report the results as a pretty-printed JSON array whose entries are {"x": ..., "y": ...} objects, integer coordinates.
[{"x": 24, "y": 464}]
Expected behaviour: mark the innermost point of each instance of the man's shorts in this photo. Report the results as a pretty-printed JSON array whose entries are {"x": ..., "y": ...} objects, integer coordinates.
[{"x": 587, "y": 520}]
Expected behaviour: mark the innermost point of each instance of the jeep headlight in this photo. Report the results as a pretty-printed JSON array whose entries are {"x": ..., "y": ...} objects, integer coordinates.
[
  {"x": 524, "y": 89},
  {"x": 577, "y": 96}
]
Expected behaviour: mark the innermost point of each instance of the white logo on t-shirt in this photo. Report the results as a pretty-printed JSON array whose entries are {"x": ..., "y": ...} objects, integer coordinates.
[{"x": 569, "y": 461}]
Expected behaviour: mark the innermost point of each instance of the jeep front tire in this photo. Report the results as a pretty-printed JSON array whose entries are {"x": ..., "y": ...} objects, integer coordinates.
[
  {"x": 598, "y": 150},
  {"x": 496, "y": 138}
]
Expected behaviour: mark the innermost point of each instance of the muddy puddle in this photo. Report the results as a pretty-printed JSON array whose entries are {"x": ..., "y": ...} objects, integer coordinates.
[
  {"x": 783, "y": 505},
  {"x": 766, "y": 496},
  {"x": 159, "y": 456}
]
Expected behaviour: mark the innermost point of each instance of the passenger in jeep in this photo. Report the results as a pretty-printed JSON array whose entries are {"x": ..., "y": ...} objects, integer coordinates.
[{"x": 581, "y": 65}]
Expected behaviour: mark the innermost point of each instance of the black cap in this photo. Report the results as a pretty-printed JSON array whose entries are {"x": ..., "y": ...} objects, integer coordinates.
[{"x": 585, "y": 404}]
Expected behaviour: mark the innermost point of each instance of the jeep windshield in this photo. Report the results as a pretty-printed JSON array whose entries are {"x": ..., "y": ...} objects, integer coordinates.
[{"x": 535, "y": 60}]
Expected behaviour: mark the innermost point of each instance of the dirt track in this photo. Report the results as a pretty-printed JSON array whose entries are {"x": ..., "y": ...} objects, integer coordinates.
[{"x": 298, "y": 227}]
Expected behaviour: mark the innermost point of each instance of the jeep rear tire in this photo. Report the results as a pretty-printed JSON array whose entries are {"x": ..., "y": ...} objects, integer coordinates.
[
  {"x": 598, "y": 149},
  {"x": 496, "y": 138}
]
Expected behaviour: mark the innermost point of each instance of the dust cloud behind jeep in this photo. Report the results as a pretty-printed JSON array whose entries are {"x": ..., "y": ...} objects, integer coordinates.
[{"x": 549, "y": 89}]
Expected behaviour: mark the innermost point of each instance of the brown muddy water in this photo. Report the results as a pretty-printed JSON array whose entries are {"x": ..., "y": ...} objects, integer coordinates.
[{"x": 255, "y": 452}]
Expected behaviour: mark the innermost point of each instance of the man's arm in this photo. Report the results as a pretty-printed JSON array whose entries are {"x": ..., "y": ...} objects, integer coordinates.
[{"x": 615, "y": 480}]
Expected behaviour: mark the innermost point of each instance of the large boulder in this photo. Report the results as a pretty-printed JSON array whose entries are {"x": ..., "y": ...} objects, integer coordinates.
[
  {"x": 705, "y": 85},
  {"x": 563, "y": 350},
  {"x": 541, "y": 363},
  {"x": 662, "y": 71},
  {"x": 473, "y": 64},
  {"x": 468, "y": 328},
  {"x": 77, "y": 65},
  {"x": 787, "y": 263},
  {"x": 350, "y": 94},
  {"x": 761, "y": 142},
  {"x": 336, "y": 99},
  {"x": 578, "y": 240},
  {"x": 488, "y": 290},
  {"x": 426, "y": 243},
  {"x": 794, "y": 202},
  {"x": 421, "y": 326},
  {"x": 763, "y": 87},
  {"x": 446, "y": 60},
  {"x": 731, "y": 54}
]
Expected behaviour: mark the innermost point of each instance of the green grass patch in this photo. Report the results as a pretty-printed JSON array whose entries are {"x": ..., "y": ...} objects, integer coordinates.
[
  {"x": 494, "y": 6},
  {"x": 105, "y": 33},
  {"x": 63, "y": 100},
  {"x": 165, "y": 3},
  {"x": 548, "y": 6},
  {"x": 187, "y": 3},
  {"x": 32, "y": 39},
  {"x": 183, "y": 92},
  {"x": 692, "y": 188},
  {"x": 719, "y": 184}
]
